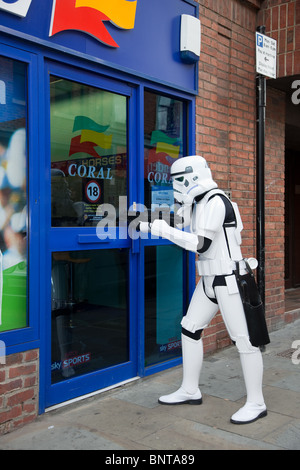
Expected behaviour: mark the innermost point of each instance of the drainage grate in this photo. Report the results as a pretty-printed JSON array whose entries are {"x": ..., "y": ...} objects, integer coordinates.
[{"x": 288, "y": 353}]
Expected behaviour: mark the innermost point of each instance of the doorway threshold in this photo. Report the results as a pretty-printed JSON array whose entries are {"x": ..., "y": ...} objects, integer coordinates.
[{"x": 89, "y": 395}]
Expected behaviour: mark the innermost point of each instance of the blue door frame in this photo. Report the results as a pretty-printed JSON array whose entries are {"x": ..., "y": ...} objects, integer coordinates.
[{"x": 85, "y": 238}]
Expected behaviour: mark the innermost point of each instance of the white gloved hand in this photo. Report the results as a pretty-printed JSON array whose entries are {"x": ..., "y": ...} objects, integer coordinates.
[
  {"x": 160, "y": 228},
  {"x": 144, "y": 227}
]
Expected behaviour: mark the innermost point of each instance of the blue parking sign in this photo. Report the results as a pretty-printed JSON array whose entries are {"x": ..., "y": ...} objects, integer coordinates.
[{"x": 260, "y": 40}]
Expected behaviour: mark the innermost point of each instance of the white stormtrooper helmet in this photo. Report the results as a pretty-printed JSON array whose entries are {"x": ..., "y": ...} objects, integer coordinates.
[{"x": 191, "y": 177}]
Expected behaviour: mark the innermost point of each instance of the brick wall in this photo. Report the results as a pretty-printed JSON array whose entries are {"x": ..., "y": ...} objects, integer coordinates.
[
  {"x": 18, "y": 390},
  {"x": 282, "y": 21},
  {"x": 226, "y": 137},
  {"x": 226, "y": 116}
]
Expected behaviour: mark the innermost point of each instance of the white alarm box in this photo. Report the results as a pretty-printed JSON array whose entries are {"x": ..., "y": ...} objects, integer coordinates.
[{"x": 190, "y": 38}]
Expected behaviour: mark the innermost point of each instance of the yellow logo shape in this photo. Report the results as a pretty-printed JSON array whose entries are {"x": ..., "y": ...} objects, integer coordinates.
[
  {"x": 120, "y": 12},
  {"x": 102, "y": 140}
]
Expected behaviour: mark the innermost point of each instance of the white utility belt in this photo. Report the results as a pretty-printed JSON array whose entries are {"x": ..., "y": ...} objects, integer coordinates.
[{"x": 218, "y": 267}]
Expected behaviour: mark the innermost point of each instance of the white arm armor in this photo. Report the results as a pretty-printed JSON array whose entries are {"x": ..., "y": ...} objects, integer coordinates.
[
  {"x": 203, "y": 223},
  {"x": 186, "y": 240},
  {"x": 185, "y": 212}
]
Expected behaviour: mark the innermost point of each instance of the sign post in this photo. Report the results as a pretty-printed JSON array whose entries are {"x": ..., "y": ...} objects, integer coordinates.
[{"x": 265, "y": 67}]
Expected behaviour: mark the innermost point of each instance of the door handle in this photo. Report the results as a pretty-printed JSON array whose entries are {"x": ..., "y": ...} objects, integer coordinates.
[{"x": 88, "y": 238}]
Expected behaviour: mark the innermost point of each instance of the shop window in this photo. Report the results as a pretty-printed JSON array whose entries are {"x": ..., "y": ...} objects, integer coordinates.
[
  {"x": 89, "y": 311},
  {"x": 13, "y": 194},
  {"x": 165, "y": 266},
  {"x": 164, "y": 143},
  {"x": 164, "y": 302},
  {"x": 88, "y": 151}
]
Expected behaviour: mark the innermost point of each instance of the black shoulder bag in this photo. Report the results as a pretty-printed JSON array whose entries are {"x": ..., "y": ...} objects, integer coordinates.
[{"x": 253, "y": 307}]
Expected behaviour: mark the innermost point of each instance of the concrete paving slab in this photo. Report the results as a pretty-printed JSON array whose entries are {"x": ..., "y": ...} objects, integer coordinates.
[
  {"x": 120, "y": 418},
  {"x": 283, "y": 402},
  {"x": 288, "y": 382},
  {"x": 216, "y": 413},
  {"x": 274, "y": 375},
  {"x": 188, "y": 435},
  {"x": 62, "y": 438},
  {"x": 221, "y": 387},
  {"x": 144, "y": 394},
  {"x": 286, "y": 437}
]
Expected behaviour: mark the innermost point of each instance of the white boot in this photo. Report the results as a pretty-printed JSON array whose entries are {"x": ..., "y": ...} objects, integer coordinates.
[
  {"x": 192, "y": 358},
  {"x": 255, "y": 407}
]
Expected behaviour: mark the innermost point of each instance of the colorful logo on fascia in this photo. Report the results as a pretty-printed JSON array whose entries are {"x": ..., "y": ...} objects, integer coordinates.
[{"x": 89, "y": 16}]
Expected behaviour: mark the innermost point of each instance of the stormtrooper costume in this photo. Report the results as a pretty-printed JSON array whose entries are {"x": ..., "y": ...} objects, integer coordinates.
[{"x": 215, "y": 235}]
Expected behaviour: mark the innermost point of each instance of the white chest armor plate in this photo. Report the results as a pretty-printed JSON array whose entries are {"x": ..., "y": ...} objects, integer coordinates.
[{"x": 208, "y": 220}]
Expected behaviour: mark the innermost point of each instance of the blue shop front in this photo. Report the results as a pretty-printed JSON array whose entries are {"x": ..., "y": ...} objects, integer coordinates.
[{"x": 97, "y": 100}]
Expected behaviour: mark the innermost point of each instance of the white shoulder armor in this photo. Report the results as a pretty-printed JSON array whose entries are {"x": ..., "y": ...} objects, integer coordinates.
[{"x": 209, "y": 215}]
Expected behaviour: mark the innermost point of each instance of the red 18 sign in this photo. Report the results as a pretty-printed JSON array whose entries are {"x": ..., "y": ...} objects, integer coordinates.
[{"x": 93, "y": 191}]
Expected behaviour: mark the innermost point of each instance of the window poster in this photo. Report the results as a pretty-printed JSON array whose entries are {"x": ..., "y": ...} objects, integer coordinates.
[
  {"x": 13, "y": 195},
  {"x": 88, "y": 151},
  {"x": 163, "y": 144}
]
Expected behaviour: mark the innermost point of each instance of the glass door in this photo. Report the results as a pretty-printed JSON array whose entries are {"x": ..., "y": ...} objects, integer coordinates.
[
  {"x": 165, "y": 264},
  {"x": 92, "y": 321}
]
